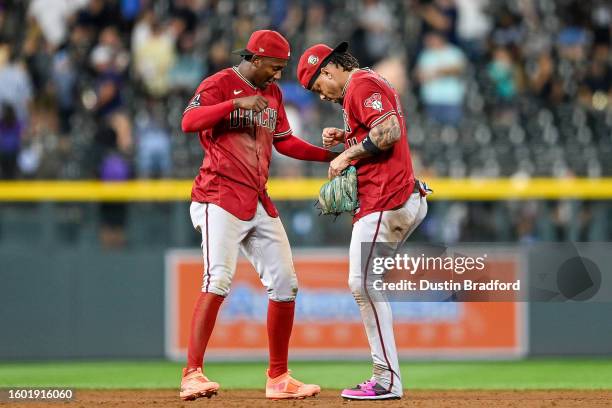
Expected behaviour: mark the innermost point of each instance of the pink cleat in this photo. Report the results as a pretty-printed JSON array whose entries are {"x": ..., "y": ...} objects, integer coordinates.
[
  {"x": 368, "y": 390},
  {"x": 286, "y": 387},
  {"x": 195, "y": 385}
]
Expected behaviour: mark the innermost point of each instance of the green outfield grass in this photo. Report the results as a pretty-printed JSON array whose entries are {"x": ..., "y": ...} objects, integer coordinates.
[{"x": 529, "y": 374}]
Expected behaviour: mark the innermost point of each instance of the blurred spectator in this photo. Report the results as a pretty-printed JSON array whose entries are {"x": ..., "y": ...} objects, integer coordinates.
[
  {"x": 108, "y": 81},
  {"x": 109, "y": 37},
  {"x": 184, "y": 17},
  {"x": 153, "y": 60},
  {"x": 66, "y": 71},
  {"x": 37, "y": 57},
  {"x": 11, "y": 130},
  {"x": 153, "y": 154},
  {"x": 376, "y": 20},
  {"x": 393, "y": 69},
  {"x": 142, "y": 30},
  {"x": 502, "y": 72},
  {"x": 52, "y": 17},
  {"x": 41, "y": 155},
  {"x": 218, "y": 57},
  {"x": 316, "y": 25},
  {"x": 596, "y": 88},
  {"x": 291, "y": 25},
  {"x": 439, "y": 69},
  {"x": 601, "y": 17},
  {"x": 540, "y": 76},
  {"x": 188, "y": 69},
  {"x": 572, "y": 42},
  {"x": 162, "y": 48},
  {"x": 16, "y": 88},
  {"x": 99, "y": 14},
  {"x": 279, "y": 10},
  {"x": 80, "y": 43},
  {"x": 9, "y": 21},
  {"x": 64, "y": 76},
  {"x": 243, "y": 27},
  {"x": 473, "y": 26},
  {"x": 439, "y": 16},
  {"x": 509, "y": 32},
  {"x": 109, "y": 100}
]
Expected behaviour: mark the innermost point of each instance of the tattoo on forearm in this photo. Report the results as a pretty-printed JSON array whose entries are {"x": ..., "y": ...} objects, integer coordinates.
[
  {"x": 356, "y": 152},
  {"x": 385, "y": 134}
]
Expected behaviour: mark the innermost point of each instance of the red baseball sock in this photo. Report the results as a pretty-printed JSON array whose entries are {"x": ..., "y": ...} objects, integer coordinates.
[
  {"x": 280, "y": 323},
  {"x": 202, "y": 324}
]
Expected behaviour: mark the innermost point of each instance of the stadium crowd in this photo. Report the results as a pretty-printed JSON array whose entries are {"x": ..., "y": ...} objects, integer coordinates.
[
  {"x": 96, "y": 88},
  {"x": 520, "y": 88}
]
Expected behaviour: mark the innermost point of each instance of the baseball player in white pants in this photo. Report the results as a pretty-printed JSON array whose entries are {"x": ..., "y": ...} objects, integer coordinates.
[
  {"x": 239, "y": 115},
  {"x": 263, "y": 241},
  {"x": 392, "y": 202},
  {"x": 394, "y": 226}
]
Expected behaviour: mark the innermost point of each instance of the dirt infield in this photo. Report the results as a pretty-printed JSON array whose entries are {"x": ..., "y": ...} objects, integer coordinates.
[{"x": 255, "y": 399}]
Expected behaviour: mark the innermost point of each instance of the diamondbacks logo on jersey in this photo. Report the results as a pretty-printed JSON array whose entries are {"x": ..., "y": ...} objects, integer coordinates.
[
  {"x": 374, "y": 102},
  {"x": 241, "y": 118}
]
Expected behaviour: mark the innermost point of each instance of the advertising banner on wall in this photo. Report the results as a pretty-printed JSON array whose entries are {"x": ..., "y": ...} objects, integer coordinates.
[{"x": 327, "y": 320}]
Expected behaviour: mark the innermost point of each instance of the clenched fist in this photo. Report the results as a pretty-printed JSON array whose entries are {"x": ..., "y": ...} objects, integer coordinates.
[
  {"x": 332, "y": 136},
  {"x": 256, "y": 103}
]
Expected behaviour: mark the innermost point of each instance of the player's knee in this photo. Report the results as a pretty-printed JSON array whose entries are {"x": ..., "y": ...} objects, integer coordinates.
[
  {"x": 283, "y": 289},
  {"x": 215, "y": 290},
  {"x": 219, "y": 283},
  {"x": 283, "y": 294}
]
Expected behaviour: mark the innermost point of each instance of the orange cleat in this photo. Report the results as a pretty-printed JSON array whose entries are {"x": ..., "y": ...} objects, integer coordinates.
[
  {"x": 286, "y": 387},
  {"x": 195, "y": 385}
]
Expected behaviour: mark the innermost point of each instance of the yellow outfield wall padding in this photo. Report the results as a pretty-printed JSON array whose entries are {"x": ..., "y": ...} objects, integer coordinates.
[{"x": 305, "y": 189}]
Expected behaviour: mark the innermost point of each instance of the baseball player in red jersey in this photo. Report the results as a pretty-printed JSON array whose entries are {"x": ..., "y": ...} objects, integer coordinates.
[
  {"x": 238, "y": 114},
  {"x": 392, "y": 202}
]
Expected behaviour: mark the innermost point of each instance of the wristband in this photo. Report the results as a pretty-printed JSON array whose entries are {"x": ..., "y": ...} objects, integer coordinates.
[{"x": 370, "y": 147}]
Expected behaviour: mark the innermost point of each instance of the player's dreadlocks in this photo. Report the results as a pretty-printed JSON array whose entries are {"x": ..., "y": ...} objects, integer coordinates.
[{"x": 344, "y": 60}]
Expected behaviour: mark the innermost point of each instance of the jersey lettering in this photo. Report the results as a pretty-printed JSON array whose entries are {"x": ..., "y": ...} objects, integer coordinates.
[
  {"x": 347, "y": 128},
  {"x": 241, "y": 118},
  {"x": 398, "y": 106}
]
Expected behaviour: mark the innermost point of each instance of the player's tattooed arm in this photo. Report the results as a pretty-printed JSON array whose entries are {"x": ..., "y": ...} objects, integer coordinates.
[
  {"x": 382, "y": 137},
  {"x": 386, "y": 134}
]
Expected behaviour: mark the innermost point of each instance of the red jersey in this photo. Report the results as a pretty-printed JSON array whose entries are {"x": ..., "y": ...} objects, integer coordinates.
[
  {"x": 238, "y": 148},
  {"x": 384, "y": 181}
]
